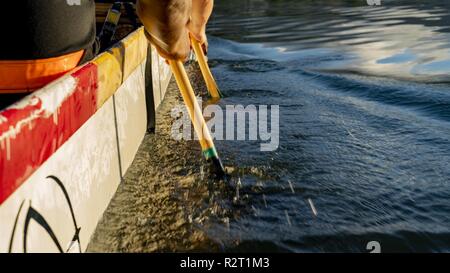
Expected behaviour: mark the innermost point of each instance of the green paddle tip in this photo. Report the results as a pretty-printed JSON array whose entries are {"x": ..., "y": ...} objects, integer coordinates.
[{"x": 216, "y": 164}]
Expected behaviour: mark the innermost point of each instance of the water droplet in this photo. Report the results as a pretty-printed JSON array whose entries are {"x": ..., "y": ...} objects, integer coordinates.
[
  {"x": 238, "y": 185},
  {"x": 313, "y": 208},
  {"x": 255, "y": 210},
  {"x": 288, "y": 218},
  {"x": 202, "y": 173},
  {"x": 227, "y": 223},
  {"x": 292, "y": 187}
]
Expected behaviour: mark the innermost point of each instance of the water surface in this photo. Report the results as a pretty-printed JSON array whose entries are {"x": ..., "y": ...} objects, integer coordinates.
[{"x": 364, "y": 101}]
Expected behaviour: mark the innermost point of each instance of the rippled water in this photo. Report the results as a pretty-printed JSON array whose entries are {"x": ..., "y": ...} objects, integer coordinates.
[{"x": 364, "y": 99}]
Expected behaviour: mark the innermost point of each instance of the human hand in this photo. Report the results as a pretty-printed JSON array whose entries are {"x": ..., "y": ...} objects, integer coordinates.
[{"x": 165, "y": 23}]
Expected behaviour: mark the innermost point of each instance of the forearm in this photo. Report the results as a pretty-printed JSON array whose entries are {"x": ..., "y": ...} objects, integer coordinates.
[
  {"x": 165, "y": 21},
  {"x": 201, "y": 11}
]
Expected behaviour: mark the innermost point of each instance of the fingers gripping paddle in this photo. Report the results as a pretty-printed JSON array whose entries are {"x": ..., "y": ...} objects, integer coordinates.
[{"x": 195, "y": 113}]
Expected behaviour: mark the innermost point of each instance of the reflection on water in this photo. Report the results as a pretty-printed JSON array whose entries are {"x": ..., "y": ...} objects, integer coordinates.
[
  {"x": 397, "y": 39},
  {"x": 362, "y": 157}
]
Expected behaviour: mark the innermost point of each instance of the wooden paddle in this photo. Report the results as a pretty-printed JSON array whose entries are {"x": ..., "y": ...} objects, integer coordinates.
[
  {"x": 195, "y": 113},
  {"x": 211, "y": 84}
]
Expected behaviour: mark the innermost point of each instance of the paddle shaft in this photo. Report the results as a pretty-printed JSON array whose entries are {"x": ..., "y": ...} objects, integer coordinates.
[
  {"x": 206, "y": 72},
  {"x": 195, "y": 113}
]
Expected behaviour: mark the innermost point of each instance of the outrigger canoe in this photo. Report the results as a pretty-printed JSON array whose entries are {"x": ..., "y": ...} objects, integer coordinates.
[{"x": 65, "y": 148}]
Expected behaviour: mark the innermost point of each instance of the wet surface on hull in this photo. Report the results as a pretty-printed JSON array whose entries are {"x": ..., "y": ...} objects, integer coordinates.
[{"x": 165, "y": 201}]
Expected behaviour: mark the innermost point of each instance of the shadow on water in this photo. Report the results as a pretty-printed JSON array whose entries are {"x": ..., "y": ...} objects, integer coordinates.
[{"x": 364, "y": 124}]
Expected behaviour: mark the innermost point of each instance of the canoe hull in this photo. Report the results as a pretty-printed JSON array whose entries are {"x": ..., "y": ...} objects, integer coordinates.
[{"x": 55, "y": 204}]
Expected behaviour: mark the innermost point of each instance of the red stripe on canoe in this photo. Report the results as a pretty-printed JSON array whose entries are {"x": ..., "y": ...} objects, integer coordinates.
[{"x": 39, "y": 136}]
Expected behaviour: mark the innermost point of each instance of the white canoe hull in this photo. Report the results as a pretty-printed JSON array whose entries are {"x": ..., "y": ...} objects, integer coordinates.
[{"x": 54, "y": 205}]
